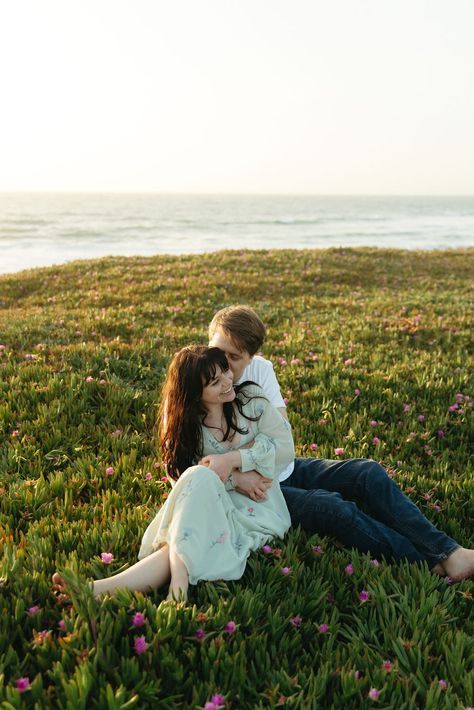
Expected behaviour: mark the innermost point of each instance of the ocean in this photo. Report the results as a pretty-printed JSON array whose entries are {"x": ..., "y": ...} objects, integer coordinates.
[{"x": 40, "y": 229}]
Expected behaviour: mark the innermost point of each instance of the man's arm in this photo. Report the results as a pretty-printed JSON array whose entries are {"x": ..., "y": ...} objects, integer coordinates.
[{"x": 251, "y": 484}]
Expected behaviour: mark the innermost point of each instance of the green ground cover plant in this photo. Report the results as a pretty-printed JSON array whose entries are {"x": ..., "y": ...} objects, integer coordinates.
[{"x": 374, "y": 352}]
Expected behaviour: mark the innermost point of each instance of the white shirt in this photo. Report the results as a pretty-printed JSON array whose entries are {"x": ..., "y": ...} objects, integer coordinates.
[{"x": 260, "y": 371}]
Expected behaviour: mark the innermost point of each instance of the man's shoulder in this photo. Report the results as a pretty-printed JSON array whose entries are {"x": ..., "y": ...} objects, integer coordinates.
[{"x": 259, "y": 364}]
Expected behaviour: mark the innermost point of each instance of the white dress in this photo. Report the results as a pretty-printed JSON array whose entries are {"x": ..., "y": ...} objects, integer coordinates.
[{"x": 214, "y": 528}]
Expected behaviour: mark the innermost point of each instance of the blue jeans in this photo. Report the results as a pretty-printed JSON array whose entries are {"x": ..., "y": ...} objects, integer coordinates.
[{"x": 319, "y": 494}]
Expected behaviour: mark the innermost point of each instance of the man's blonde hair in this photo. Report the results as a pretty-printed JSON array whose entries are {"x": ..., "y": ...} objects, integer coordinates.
[{"x": 242, "y": 325}]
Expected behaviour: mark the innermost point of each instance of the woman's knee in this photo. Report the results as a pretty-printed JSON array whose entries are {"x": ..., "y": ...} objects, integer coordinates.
[{"x": 201, "y": 473}]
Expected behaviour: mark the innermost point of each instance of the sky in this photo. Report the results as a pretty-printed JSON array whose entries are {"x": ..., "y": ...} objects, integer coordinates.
[{"x": 254, "y": 96}]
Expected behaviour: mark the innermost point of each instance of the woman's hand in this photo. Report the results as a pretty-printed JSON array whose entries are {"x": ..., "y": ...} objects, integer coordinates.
[{"x": 222, "y": 464}]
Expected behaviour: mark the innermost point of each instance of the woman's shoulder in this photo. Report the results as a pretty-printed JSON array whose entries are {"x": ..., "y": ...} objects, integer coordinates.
[
  {"x": 253, "y": 399},
  {"x": 250, "y": 389}
]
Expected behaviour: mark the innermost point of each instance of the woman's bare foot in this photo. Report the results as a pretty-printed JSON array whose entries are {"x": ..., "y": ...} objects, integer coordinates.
[
  {"x": 178, "y": 589},
  {"x": 460, "y": 564},
  {"x": 62, "y": 589},
  {"x": 439, "y": 569},
  {"x": 176, "y": 593}
]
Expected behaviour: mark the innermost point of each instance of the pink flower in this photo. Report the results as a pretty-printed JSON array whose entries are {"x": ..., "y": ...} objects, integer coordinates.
[
  {"x": 406, "y": 407},
  {"x": 349, "y": 569},
  {"x": 140, "y": 645},
  {"x": 106, "y": 557},
  {"x": 286, "y": 400},
  {"x": 442, "y": 684},
  {"x": 318, "y": 550},
  {"x": 347, "y": 362},
  {"x": 217, "y": 701},
  {"x": 387, "y": 666},
  {"x": 296, "y": 621},
  {"x": 251, "y": 510},
  {"x": 285, "y": 570},
  {"x": 164, "y": 479},
  {"x": 339, "y": 451},
  {"x": 15, "y": 433},
  {"x": 356, "y": 675},
  {"x": 22, "y": 684},
  {"x": 148, "y": 476},
  {"x": 322, "y": 422},
  {"x": 374, "y": 563},
  {"x": 156, "y": 464},
  {"x": 375, "y": 440},
  {"x": 33, "y": 610},
  {"x": 323, "y": 628},
  {"x": 62, "y": 625},
  {"x": 109, "y": 471},
  {"x": 267, "y": 549},
  {"x": 138, "y": 619},
  {"x": 374, "y": 693},
  {"x": 89, "y": 378},
  {"x": 373, "y": 423},
  {"x": 421, "y": 418},
  {"x": 200, "y": 634},
  {"x": 357, "y": 391},
  {"x": 230, "y": 627},
  {"x": 453, "y": 407},
  {"x": 313, "y": 446},
  {"x": 364, "y": 596},
  {"x": 440, "y": 434}
]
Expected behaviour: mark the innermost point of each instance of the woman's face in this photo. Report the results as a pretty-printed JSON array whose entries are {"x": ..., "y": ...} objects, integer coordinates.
[{"x": 219, "y": 390}]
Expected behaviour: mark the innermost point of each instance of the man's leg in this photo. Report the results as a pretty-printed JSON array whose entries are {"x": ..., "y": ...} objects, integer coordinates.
[
  {"x": 368, "y": 481},
  {"x": 328, "y": 513}
]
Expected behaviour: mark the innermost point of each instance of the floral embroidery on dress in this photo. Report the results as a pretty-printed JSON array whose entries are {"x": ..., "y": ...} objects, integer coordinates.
[
  {"x": 186, "y": 533},
  {"x": 186, "y": 489},
  {"x": 251, "y": 512},
  {"x": 221, "y": 539}
]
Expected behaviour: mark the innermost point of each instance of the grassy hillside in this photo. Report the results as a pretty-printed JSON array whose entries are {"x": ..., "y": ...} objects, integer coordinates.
[{"x": 356, "y": 336}]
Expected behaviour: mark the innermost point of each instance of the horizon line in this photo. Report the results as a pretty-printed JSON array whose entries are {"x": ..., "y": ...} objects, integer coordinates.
[{"x": 234, "y": 194}]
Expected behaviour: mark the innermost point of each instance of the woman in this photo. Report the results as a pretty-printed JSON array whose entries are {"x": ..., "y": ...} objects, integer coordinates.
[{"x": 206, "y": 530}]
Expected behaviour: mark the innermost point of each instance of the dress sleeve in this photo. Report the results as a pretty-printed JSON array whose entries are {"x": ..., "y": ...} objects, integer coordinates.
[{"x": 273, "y": 447}]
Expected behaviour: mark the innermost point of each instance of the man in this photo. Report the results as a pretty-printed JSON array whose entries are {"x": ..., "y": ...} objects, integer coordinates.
[{"x": 320, "y": 493}]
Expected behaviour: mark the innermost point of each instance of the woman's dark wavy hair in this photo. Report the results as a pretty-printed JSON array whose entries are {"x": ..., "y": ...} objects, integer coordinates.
[{"x": 181, "y": 411}]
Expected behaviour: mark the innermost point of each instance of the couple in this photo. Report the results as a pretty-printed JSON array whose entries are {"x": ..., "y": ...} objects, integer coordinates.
[{"x": 228, "y": 448}]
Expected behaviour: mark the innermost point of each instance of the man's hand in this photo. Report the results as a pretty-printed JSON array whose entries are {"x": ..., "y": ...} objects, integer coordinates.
[
  {"x": 251, "y": 484},
  {"x": 222, "y": 464}
]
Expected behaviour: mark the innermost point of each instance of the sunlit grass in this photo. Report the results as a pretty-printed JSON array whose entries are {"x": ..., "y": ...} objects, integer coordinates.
[{"x": 373, "y": 350}]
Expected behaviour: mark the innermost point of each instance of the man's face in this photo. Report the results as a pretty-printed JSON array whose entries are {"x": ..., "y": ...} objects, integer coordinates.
[{"x": 238, "y": 359}]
